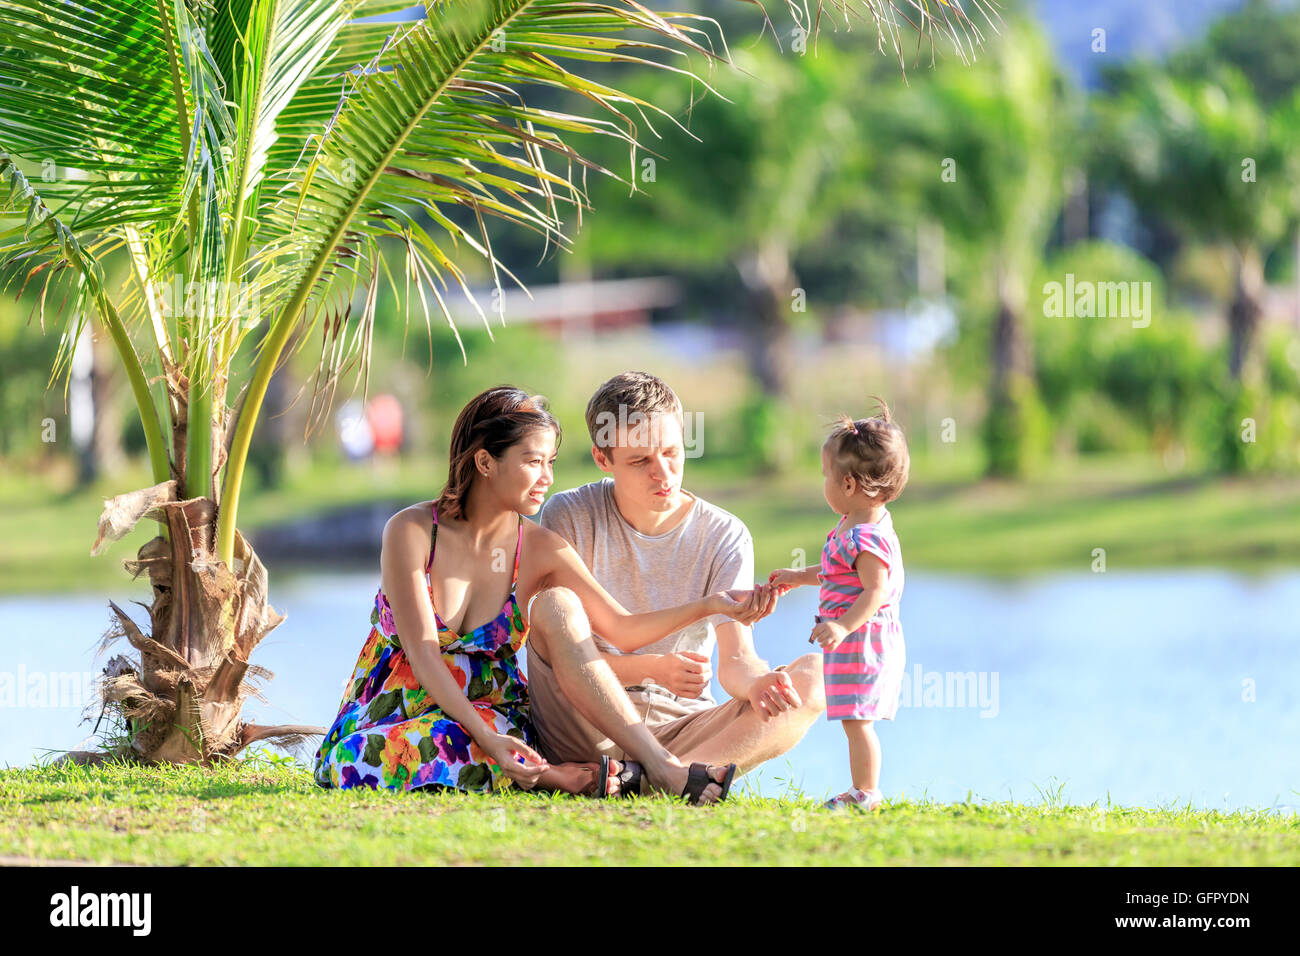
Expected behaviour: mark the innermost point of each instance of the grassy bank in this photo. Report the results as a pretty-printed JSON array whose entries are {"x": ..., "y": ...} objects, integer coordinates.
[
  {"x": 267, "y": 811},
  {"x": 948, "y": 519}
]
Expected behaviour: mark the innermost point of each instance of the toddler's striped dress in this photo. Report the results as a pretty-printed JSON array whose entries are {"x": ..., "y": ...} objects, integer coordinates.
[{"x": 864, "y": 675}]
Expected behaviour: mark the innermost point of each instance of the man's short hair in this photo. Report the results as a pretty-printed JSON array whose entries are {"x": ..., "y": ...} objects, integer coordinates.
[{"x": 628, "y": 398}]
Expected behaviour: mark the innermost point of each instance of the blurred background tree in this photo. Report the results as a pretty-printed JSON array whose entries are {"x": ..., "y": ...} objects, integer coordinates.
[
  {"x": 983, "y": 153},
  {"x": 835, "y": 210},
  {"x": 757, "y": 176},
  {"x": 1207, "y": 144}
]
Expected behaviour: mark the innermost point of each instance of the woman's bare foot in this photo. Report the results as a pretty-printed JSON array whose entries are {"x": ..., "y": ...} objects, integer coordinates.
[
  {"x": 670, "y": 777},
  {"x": 579, "y": 778}
]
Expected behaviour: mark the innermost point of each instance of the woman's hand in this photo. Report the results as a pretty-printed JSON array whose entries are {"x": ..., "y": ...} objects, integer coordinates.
[
  {"x": 745, "y": 607},
  {"x": 501, "y": 749},
  {"x": 627, "y": 631}
]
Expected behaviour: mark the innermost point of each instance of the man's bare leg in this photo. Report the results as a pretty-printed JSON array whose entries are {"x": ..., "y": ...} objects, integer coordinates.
[
  {"x": 559, "y": 629},
  {"x": 753, "y": 739}
]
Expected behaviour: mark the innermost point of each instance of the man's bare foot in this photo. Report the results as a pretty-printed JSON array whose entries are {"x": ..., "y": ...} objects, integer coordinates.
[
  {"x": 671, "y": 778},
  {"x": 613, "y": 786},
  {"x": 579, "y": 778}
]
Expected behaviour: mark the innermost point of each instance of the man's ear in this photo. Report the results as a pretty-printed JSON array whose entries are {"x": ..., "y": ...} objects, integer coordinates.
[{"x": 601, "y": 459}]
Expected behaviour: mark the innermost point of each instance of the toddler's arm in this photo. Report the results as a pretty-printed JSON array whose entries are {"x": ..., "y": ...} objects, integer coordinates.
[{"x": 787, "y": 578}]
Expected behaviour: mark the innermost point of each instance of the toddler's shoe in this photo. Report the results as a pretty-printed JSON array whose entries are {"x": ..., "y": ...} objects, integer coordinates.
[{"x": 864, "y": 800}]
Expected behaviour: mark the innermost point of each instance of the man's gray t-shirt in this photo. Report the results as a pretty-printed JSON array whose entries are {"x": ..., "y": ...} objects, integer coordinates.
[{"x": 709, "y": 550}]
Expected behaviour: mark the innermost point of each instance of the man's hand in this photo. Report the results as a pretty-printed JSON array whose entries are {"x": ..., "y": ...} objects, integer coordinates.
[
  {"x": 746, "y": 607},
  {"x": 685, "y": 673},
  {"x": 773, "y": 694},
  {"x": 829, "y": 634}
]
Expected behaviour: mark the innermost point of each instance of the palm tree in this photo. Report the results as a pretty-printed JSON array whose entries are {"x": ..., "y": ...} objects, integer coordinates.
[
  {"x": 982, "y": 153},
  {"x": 246, "y": 159},
  {"x": 1205, "y": 154},
  {"x": 782, "y": 159}
]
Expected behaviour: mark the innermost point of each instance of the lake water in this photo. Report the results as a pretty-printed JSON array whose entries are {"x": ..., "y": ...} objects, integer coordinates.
[{"x": 1150, "y": 689}]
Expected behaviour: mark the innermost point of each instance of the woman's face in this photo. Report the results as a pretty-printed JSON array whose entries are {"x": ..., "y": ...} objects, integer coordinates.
[{"x": 520, "y": 477}]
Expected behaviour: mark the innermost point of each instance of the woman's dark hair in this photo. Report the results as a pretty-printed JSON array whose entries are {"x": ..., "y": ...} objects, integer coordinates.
[{"x": 493, "y": 420}]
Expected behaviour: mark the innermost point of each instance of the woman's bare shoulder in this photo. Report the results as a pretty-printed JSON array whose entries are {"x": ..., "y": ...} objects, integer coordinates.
[
  {"x": 535, "y": 536},
  {"x": 412, "y": 521}
]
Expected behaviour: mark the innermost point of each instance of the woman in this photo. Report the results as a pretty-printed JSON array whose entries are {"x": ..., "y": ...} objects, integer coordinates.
[{"x": 446, "y": 703}]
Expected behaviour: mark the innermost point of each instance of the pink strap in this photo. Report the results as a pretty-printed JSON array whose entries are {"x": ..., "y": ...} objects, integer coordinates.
[{"x": 519, "y": 548}]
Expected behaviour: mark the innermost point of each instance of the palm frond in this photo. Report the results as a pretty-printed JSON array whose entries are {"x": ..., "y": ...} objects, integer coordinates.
[
  {"x": 279, "y": 46},
  {"x": 891, "y": 19},
  {"x": 436, "y": 122},
  {"x": 122, "y": 108},
  {"x": 43, "y": 234},
  {"x": 86, "y": 90}
]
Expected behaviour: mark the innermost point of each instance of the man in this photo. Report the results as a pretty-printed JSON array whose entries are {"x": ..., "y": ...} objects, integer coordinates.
[{"x": 652, "y": 544}]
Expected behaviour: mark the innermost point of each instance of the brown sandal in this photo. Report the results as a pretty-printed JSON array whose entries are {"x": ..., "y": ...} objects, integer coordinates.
[
  {"x": 698, "y": 778},
  {"x": 629, "y": 779}
]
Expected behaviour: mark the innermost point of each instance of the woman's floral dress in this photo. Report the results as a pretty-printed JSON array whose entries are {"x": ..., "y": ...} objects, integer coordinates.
[{"x": 389, "y": 733}]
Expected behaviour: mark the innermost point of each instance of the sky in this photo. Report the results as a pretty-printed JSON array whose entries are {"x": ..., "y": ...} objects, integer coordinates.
[{"x": 1133, "y": 27}]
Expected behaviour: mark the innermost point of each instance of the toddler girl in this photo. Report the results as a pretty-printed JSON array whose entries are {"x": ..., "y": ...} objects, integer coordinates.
[{"x": 865, "y": 463}]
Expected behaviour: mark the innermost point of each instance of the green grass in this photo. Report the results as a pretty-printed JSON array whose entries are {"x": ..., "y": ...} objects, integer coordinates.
[
  {"x": 266, "y": 810},
  {"x": 947, "y": 519}
]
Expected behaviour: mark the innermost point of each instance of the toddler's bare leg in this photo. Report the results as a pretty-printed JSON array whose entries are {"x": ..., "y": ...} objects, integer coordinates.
[{"x": 864, "y": 753}]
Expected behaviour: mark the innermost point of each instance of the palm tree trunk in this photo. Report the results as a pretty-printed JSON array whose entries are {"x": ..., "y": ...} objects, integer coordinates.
[
  {"x": 185, "y": 697},
  {"x": 769, "y": 283},
  {"x": 1011, "y": 353},
  {"x": 1007, "y": 425},
  {"x": 1246, "y": 309}
]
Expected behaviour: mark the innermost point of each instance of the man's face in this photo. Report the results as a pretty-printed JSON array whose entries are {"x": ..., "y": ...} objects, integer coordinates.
[{"x": 647, "y": 461}]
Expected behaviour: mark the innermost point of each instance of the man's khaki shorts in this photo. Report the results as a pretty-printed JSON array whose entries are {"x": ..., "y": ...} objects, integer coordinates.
[{"x": 565, "y": 735}]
